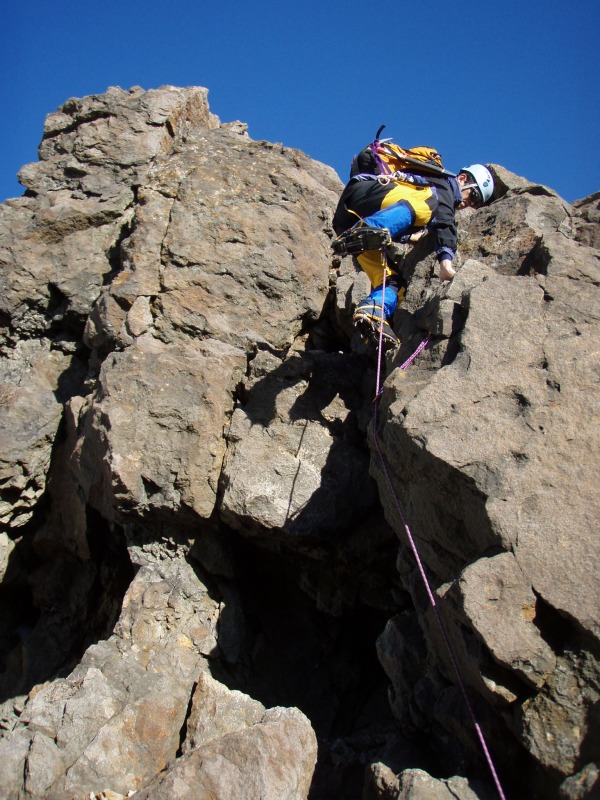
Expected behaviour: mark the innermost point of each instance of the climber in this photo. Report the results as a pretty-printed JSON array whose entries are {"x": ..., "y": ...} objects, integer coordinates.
[{"x": 407, "y": 211}]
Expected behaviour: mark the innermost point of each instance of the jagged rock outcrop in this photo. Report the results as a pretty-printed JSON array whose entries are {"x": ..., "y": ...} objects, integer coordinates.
[
  {"x": 494, "y": 458},
  {"x": 193, "y": 492}
]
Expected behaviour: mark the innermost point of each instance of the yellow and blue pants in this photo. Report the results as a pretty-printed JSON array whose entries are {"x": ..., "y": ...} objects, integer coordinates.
[{"x": 399, "y": 207}]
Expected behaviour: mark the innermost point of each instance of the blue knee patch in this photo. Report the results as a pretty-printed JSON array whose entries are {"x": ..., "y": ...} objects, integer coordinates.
[
  {"x": 389, "y": 302},
  {"x": 396, "y": 218}
]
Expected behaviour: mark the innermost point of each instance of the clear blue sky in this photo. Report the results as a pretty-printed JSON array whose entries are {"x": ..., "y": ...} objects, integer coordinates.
[{"x": 513, "y": 82}]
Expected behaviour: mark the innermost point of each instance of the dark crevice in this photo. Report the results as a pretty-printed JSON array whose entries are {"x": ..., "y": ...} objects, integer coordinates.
[
  {"x": 522, "y": 402},
  {"x": 505, "y": 677},
  {"x": 150, "y": 487},
  {"x": 295, "y": 655},
  {"x": 536, "y": 190},
  {"x": 184, "y": 727},
  {"x": 65, "y": 603},
  {"x": 72, "y": 381},
  {"x": 62, "y": 321},
  {"x": 169, "y": 127},
  {"x": 91, "y": 116},
  {"x": 58, "y": 303},
  {"x": 114, "y": 572},
  {"x": 536, "y": 261},
  {"x": 114, "y": 254},
  {"x": 19, "y": 615},
  {"x": 74, "y": 172},
  {"x": 561, "y": 632},
  {"x": 452, "y": 350}
]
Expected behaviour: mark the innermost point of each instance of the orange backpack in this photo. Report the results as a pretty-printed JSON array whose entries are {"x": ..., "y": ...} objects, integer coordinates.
[{"x": 385, "y": 158}]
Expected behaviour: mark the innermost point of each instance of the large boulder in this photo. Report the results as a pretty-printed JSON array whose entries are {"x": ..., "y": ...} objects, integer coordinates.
[{"x": 274, "y": 759}]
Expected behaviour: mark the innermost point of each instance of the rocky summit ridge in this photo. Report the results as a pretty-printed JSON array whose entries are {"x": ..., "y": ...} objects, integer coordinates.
[{"x": 207, "y": 584}]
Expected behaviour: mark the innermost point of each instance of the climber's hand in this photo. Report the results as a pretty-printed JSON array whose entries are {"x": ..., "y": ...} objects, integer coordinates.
[{"x": 447, "y": 271}]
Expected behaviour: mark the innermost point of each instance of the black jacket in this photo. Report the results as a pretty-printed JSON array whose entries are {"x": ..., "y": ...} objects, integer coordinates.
[{"x": 443, "y": 223}]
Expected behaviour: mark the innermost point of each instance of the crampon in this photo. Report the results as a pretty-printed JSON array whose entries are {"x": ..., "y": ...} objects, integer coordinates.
[
  {"x": 360, "y": 239},
  {"x": 369, "y": 324}
]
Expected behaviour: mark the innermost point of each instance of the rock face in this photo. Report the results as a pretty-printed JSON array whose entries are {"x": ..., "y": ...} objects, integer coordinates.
[
  {"x": 493, "y": 456},
  {"x": 201, "y": 505}
]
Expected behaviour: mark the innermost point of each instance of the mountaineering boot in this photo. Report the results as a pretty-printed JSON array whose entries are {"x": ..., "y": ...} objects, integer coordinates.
[
  {"x": 359, "y": 239},
  {"x": 368, "y": 322}
]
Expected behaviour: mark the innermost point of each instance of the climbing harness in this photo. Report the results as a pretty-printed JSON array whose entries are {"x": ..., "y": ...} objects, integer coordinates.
[{"x": 421, "y": 567}]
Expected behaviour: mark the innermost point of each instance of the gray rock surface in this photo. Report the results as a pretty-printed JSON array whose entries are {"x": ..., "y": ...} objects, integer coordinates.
[
  {"x": 186, "y": 447},
  {"x": 273, "y": 760},
  {"x": 299, "y": 427}
]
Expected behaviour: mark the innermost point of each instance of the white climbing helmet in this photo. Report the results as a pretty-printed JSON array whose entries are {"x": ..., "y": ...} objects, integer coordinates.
[{"x": 482, "y": 180}]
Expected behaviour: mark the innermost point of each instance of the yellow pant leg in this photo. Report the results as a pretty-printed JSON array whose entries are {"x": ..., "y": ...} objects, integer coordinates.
[{"x": 372, "y": 262}]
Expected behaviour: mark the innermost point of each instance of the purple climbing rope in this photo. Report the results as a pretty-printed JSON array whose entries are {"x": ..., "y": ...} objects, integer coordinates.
[{"x": 419, "y": 349}]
